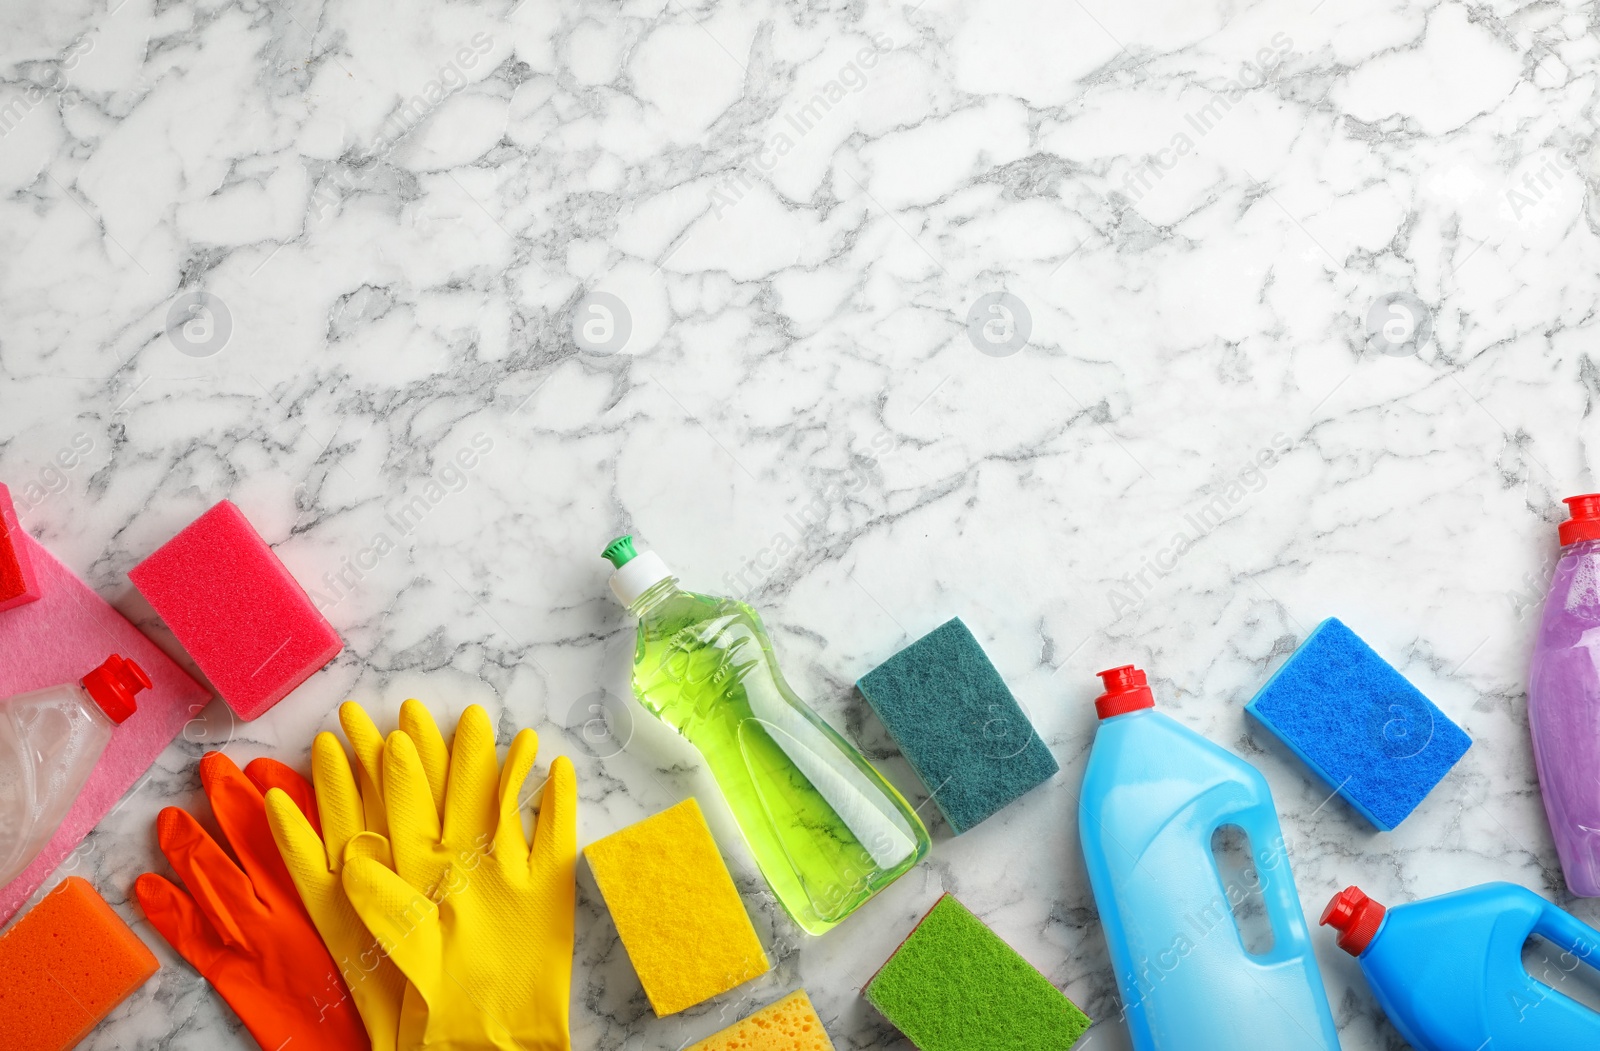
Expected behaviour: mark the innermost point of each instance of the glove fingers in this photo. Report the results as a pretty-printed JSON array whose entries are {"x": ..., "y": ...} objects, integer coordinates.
[
  {"x": 221, "y": 890},
  {"x": 413, "y": 822},
  {"x": 310, "y": 865},
  {"x": 509, "y": 841},
  {"x": 469, "y": 803},
  {"x": 555, "y": 840},
  {"x": 176, "y": 918},
  {"x": 418, "y": 724},
  {"x": 367, "y": 743},
  {"x": 267, "y": 774},
  {"x": 338, "y": 798},
  {"x": 402, "y": 919},
  {"x": 241, "y": 812},
  {"x": 372, "y": 846}
]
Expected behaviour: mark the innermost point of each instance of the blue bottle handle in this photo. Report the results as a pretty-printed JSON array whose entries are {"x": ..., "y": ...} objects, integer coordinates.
[
  {"x": 1569, "y": 933},
  {"x": 1271, "y": 858}
]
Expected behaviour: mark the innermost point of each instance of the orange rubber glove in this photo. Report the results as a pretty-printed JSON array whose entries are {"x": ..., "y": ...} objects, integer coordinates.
[
  {"x": 244, "y": 928},
  {"x": 267, "y": 774}
]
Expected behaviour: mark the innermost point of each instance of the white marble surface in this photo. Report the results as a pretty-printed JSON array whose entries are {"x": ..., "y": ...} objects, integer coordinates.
[{"x": 401, "y": 205}]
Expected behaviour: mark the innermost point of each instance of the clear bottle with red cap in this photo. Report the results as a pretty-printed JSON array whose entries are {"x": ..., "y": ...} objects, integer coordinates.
[
  {"x": 1564, "y": 698},
  {"x": 1449, "y": 971},
  {"x": 1194, "y": 975},
  {"x": 50, "y": 741}
]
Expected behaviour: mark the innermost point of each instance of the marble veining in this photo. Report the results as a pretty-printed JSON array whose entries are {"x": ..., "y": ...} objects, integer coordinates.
[{"x": 1144, "y": 333}]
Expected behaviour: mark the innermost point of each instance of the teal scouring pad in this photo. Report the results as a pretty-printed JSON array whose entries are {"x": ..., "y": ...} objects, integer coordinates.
[
  {"x": 953, "y": 985},
  {"x": 1366, "y": 731},
  {"x": 958, "y": 725}
]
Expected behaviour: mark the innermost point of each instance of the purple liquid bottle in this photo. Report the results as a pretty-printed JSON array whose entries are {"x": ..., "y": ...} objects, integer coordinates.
[{"x": 1564, "y": 698}]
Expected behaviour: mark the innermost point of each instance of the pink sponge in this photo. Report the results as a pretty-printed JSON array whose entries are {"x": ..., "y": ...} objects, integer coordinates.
[
  {"x": 18, "y": 585},
  {"x": 238, "y": 612},
  {"x": 59, "y": 639}
]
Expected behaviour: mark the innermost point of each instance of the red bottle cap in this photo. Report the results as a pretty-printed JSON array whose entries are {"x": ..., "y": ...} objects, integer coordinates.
[
  {"x": 113, "y": 685},
  {"x": 1125, "y": 692},
  {"x": 1585, "y": 521},
  {"x": 1356, "y": 917}
]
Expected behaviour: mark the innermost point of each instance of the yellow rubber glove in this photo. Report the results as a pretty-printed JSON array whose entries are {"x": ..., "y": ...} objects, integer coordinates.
[
  {"x": 350, "y": 802},
  {"x": 479, "y": 923}
]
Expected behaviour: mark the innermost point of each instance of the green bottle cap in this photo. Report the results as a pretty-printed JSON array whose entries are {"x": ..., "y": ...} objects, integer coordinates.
[{"x": 620, "y": 551}]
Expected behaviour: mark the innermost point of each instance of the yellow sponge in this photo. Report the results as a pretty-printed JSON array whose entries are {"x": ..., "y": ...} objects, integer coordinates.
[
  {"x": 676, "y": 908},
  {"x": 791, "y": 1024}
]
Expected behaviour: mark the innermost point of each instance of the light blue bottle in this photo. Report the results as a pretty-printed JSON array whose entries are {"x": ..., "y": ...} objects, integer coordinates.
[
  {"x": 1448, "y": 971},
  {"x": 1154, "y": 796}
]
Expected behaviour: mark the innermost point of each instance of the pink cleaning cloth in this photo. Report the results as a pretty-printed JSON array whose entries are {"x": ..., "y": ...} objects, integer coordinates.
[{"x": 61, "y": 638}]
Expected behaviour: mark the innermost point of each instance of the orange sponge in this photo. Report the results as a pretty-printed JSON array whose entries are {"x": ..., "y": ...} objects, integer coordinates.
[
  {"x": 791, "y": 1024},
  {"x": 64, "y": 966},
  {"x": 679, "y": 914}
]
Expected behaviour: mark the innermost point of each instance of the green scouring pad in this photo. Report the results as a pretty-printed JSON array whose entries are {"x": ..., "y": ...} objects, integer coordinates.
[
  {"x": 958, "y": 725},
  {"x": 954, "y": 985}
]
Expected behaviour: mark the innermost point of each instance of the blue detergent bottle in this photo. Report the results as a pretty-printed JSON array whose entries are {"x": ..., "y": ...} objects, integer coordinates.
[
  {"x": 1448, "y": 971},
  {"x": 1156, "y": 797}
]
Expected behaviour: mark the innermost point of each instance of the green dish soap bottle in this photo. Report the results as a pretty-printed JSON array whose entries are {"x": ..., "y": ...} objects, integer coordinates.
[{"x": 826, "y": 829}]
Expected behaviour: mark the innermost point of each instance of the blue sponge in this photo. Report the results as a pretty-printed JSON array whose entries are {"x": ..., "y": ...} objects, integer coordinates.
[
  {"x": 958, "y": 725},
  {"x": 1366, "y": 731}
]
